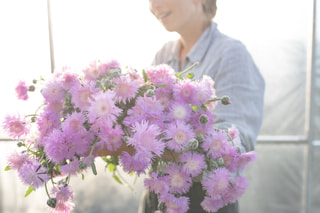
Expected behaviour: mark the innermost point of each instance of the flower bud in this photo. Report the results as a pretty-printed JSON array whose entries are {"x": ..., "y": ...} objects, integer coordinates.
[
  {"x": 20, "y": 144},
  {"x": 82, "y": 165},
  {"x": 125, "y": 138},
  {"x": 193, "y": 143},
  {"x": 31, "y": 88},
  {"x": 190, "y": 75},
  {"x": 203, "y": 119},
  {"x": 52, "y": 202},
  {"x": 150, "y": 93},
  {"x": 162, "y": 207},
  {"x": 225, "y": 100},
  {"x": 200, "y": 138},
  {"x": 214, "y": 164},
  {"x": 220, "y": 162}
]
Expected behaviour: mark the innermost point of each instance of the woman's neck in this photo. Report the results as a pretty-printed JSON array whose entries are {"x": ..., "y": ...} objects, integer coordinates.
[{"x": 189, "y": 38}]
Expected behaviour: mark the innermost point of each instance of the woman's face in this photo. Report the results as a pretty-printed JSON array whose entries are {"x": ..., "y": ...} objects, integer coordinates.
[{"x": 175, "y": 15}]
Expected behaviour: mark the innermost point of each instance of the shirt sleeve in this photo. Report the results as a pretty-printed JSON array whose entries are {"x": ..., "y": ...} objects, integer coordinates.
[{"x": 239, "y": 78}]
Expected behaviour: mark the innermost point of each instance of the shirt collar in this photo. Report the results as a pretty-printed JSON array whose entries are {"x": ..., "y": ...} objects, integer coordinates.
[{"x": 200, "y": 48}]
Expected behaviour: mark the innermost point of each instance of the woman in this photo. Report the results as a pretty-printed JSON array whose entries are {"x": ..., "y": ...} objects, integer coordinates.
[{"x": 224, "y": 59}]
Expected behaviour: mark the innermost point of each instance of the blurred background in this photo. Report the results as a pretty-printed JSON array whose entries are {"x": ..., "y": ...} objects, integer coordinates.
[{"x": 283, "y": 37}]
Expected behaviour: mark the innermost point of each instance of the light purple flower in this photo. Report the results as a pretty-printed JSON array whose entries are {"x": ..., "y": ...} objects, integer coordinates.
[
  {"x": 146, "y": 139},
  {"x": 103, "y": 107},
  {"x": 157, "y": 184},
  {"x": 82, "y": 94},
  {"x": 217, "y": 182},
  {"x": 111, "y": 138},
  {"x": 194, "y": 163},
  {"x": 126, "y": 88},
  {"x": 22, "y": 91},
  {"x": 53, "y": 91},
  {"x": 16, "y": 126},
  {"x": 212, "y": 205},
  {"x": 176, "y": 204},
  {"x": 16, "y": 160},
  {"x": 178, "y": 181},
  {"x": 215, "y": 144},
  {"x": 132, "y": 164},
  {"x": 180, "y": 134},
  {"x": 33, "y": 174}
]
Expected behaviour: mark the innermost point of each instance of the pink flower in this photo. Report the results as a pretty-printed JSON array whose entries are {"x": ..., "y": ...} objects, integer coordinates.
[
  {"x": 103, "y": 107},
  {"x": 161, "y": 74},
  {"x": 16, "y": 160},
  {"x": 22, "y": 91},
  {"x": 67, "y": 76},
  {"x": 82, "y": 94},
  {"x": 157, "y": 184},
  {"x": 111, "y": 138},
  {"x": 200, "y": 128},
  {"x": 53, "y": 91},
  {"x": 246, "y": 158},
  {"x": 145, "y": 138},
  {"x": 126, "y": 88},
  {"x": 194, "y": 163},
  {"x": 233, "y": 132},
  {"x": 215, "y": 144},
  {"x": 93, "y": 72},
  {"x": 47, "y": 121},
  {"x": 105, "y": 66},
  {"x": 176, "y": 204},
  {"x": 16, "y": 126},
  {"x": 217, "y": 182},
  {"x": 212, "y": 204},
  {"x": 237, "y": 189},
  {"x": 230, "y": 158},
  {"x": 74, "y": 123},
  {"x": 185, "y": 91},
  {"x": 62, "y": 193},
  {"x": 132, "y": 164},
  {"x": 72, "y": 168},
  {"x": 178, "y": 181},
  {"x": 64, "y": 145},
  {"x": 180, "y": 133},
  {"x": 63, "y": 207},
  {"x": 145, "y": 109},
  {"x": 179, "y": 111},
  {"x": 33, "y": 174}
]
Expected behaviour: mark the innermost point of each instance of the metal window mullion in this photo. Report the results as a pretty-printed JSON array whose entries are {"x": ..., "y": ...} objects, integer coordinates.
[
  {"x": 310, "y": 105},
  {"x": 50, "y": 37}
]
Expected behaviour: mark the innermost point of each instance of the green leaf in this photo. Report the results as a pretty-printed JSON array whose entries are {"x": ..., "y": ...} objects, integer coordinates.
[
  {"x": 145, "y": 77},
  {"x": 117, "y": 178},
  {"x": 30, "y": 189},
  {"x": 93, "y": 166},
  {"x": 160, "y": 85},
  {"x": 111, "y": 167},
  {"x": 82, "y": 176},
  {"x": 7, "y": 168}
]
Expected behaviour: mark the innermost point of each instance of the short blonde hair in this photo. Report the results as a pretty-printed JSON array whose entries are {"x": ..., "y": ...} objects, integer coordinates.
[{"x": 210, "y": 8}]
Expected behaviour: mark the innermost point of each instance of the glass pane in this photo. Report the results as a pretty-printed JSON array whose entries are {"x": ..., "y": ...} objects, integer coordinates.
[
  {"x": 24, "y": 51},
  {"x": 124, "y": 30},
  {"x": 277, "y": 39},
  {"x": 277, "y": 183},
  {"x": 315, "y": 205}
]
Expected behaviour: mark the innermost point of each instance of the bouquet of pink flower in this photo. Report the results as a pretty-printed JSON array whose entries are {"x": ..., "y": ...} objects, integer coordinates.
[{"x": 156, "y": 122}]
